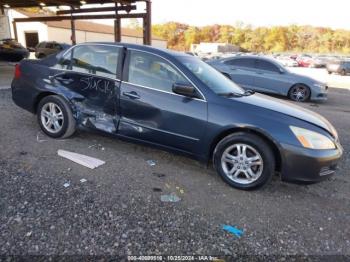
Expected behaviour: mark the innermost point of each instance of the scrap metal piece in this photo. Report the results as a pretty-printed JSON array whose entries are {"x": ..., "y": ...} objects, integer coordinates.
[{"x": 84, "y": 160}]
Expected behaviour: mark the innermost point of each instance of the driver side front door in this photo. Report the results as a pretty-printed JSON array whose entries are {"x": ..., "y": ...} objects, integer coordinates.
[{"x": 151, "y": 112}]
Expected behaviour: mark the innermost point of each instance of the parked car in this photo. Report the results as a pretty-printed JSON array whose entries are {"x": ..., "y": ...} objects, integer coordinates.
[
  {"x": 287, "y": 61},
  {"x": 176, "y": 102},
  {"x": 304, "y": 60},
  {"x": 44, "y": 49},
  {"x": 341, "y": 67},
  {"x": 320, "y": 61},
  {"x": 12, "y": 51},
  {"x": 267, "y": 76}
]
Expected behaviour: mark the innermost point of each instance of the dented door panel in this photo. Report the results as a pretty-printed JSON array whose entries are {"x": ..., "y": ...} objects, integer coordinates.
[
  {"x": 95, "y": 105},
  {"x": 92, "y": 73}
]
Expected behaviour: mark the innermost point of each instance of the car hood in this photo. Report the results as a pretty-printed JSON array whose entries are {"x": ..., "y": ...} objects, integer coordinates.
[{"x": 290, "y": 109}]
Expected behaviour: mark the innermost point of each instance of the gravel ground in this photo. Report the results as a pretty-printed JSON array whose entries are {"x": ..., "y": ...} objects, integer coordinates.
[{"x": 118, "y": 211}]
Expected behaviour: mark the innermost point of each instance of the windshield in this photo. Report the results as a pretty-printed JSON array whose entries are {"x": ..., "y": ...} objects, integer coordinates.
[{"x": 216, "y": 81}]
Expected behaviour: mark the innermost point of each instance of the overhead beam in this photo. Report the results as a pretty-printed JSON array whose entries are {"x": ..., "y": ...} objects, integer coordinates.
[
  {"x": 127, "y": 8},
  {"x": 76, "y": 3},
  {"x": 78, "y": 17}
]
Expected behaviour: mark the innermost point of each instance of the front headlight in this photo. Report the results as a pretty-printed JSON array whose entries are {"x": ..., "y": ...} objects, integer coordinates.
[
  {"x": 311, "y": 139},
  {"x": 319, "y": 85}
]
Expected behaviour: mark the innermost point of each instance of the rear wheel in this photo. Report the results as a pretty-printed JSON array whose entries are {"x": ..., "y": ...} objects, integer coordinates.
[
  {"x": 244, "y": 161},
  {"x": 299, "y": 93},
  {"x": 343, "y": 72},
  {"x": 55, "y": 117}
]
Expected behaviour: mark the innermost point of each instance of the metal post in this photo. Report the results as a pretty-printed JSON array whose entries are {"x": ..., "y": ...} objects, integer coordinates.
[
  {"x": 147, "y": 24},
  {"x": 14, "y": 23},
  {"x": 72, "y": 24},
  {"x": 117, "y": 26}
]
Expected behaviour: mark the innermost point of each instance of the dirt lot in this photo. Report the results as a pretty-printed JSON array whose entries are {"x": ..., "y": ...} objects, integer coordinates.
[{"x": 118, "y": 211}]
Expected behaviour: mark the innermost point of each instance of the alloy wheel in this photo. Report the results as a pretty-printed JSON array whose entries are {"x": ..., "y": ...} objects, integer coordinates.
[
  {"x": 299, "y": 93},
  {"x": 242, "y": 163},
  {"x": 52, "y": 117}
]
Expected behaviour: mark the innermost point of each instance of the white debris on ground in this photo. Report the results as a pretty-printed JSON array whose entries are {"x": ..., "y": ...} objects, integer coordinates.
[{"x": 83, "y": 160}]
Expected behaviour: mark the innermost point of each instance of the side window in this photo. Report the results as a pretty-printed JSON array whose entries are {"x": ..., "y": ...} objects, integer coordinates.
[
  {"x": 267, "y": 66},
  {"x": 152, "y": 71},
  {"x": 96, "y": 59},
  {"x": 241, "y": 62}
]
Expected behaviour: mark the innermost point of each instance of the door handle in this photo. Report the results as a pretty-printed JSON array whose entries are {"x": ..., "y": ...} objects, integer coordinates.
[{"x": 132, "y": 95}]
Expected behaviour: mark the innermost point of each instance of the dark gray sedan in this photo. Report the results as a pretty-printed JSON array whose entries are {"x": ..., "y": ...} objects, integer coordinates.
[
  {"x": 179, "y": 103},
  {"x": 268, "y": 76}
]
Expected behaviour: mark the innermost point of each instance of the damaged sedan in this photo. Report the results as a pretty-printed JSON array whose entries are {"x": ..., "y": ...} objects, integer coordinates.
[{"x": 177, "y": 102}]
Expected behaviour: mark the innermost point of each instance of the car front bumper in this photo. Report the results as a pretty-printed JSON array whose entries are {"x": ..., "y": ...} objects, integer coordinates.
[
  {"x": 319, "y": 95},
  {"x": 309, "y": 165}
]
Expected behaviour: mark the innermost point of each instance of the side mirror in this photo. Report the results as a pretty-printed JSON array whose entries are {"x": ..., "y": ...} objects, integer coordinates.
[
  {"x": 281, "y": 71},
  {"x": 184, "y": 89}
]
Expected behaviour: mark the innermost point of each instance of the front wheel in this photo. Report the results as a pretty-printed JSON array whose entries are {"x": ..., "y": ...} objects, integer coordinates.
[
  {"x": 299, "y": 93},
  {"x": 55, "y": 117},
  {"x": 244, "y": 161}
]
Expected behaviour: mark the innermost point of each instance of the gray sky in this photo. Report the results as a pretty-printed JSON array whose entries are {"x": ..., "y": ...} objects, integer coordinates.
[{"x": 334, "y": 13}]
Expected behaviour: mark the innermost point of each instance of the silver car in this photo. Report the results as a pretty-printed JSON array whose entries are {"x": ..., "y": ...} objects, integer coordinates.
[{"x": 265, "y": 75}]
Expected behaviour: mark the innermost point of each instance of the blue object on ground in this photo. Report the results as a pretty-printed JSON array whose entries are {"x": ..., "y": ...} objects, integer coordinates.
[{"x": 233, "y": 230}]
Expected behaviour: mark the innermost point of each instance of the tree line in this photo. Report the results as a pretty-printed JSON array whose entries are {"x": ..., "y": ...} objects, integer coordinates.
[{"x": 274, "y": 39}]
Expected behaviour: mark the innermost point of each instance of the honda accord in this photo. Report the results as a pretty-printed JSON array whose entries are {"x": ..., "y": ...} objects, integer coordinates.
[{"x": 179, "y": 103}]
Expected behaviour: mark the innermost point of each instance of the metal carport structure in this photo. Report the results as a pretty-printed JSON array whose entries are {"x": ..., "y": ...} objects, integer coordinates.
[{"x": 120, "y": 9}]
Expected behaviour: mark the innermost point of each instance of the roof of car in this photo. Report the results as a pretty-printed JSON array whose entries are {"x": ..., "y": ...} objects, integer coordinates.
[
  {"x": 249, "y": 57},
  {"x": 141, "y": 47}
]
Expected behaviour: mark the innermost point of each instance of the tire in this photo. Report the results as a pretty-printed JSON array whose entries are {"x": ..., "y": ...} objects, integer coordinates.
[
  {"x": 343, "y": 72},
  {"x": 262, "y": 173},
  {"x": 65, "y": 124},
  {"x": 329, "y": 72},
  {"x": 299, "y": 93}
]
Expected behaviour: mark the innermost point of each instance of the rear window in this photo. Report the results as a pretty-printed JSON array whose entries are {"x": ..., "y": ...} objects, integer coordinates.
[
  {"x": 41, "y": 45},
  {"x": 98, "y": 60}
]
